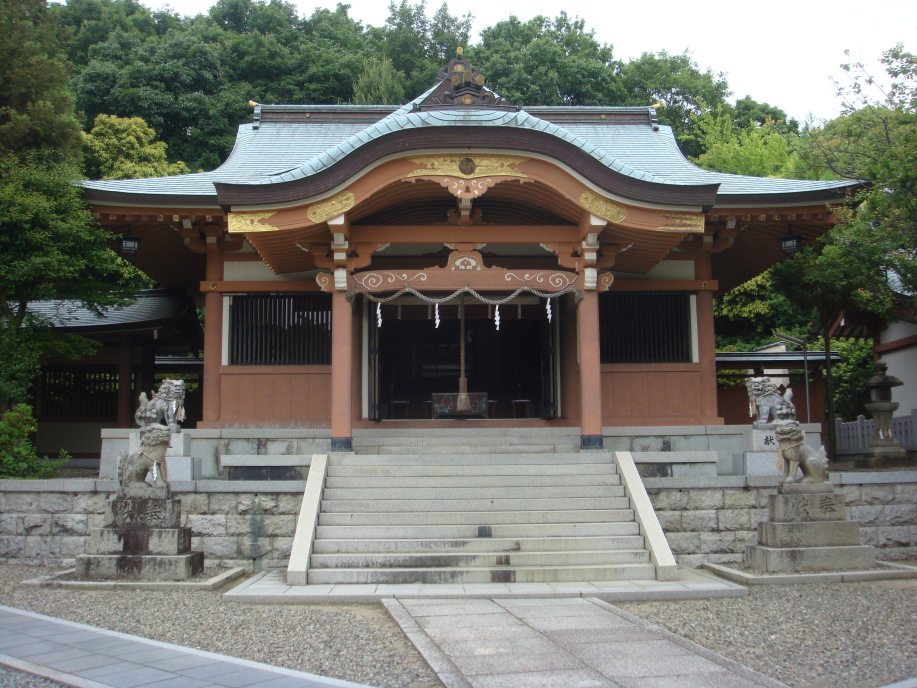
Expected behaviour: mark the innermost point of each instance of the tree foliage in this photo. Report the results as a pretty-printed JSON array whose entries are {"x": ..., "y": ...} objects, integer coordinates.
[
  {"x": 548, "y": 62},
  {"x": 124, "y": 148}
]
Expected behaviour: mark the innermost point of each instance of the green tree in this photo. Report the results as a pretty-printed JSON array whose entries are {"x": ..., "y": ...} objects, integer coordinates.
[
  {"x": 124, "y": 148},
  {"x": 682, "y": 89},
  {"x": 548, "y": 62},
  {"x": 379, "y": 84}
]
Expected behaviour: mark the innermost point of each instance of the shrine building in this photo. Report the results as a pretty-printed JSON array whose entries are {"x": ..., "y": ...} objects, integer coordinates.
[{"x": 459, "y": 261}]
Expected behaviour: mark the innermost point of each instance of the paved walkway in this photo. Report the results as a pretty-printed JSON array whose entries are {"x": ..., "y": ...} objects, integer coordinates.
[
  {"x": 88, "y": 657},
  {"x": 270, "y": 587},
  {"x": 558, "y": 643}
]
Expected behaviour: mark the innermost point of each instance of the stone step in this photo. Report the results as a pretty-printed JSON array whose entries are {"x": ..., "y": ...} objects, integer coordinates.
[
  {"x": 471, "y": 493},
  {"x": 497, "y": 574},
  {"x": 428, "y": 449},
  {"x": 360, "y": 434},
  {"x": 470, "y": 481},
  {"x": 486, "y": 518},
  {"x": 479, "y": 470},
  {"x": 567, "y": 458},
  {"x": 472, "y": 505},
  {"x": 467, "y": 532},
  {"x": 467, "y": 439},
  {"x": 479, "y": 545},
  {"x": 351, "y": 560}
]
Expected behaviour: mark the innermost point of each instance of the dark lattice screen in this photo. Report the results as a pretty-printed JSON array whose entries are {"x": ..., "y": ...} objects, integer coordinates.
[
  {"x": 73, "y": 393},
  {"x": 280, "y": 329},
  {"x": 640, "y": 327}
]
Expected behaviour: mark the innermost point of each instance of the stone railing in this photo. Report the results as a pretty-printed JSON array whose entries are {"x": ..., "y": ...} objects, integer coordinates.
[{"x": 853, "y": 437}]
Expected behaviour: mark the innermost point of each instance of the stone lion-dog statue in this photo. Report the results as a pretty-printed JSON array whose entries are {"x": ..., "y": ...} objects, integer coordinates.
[
  {"x": 794, "y": 454},
  {"x": 167, "y": 406},
  {"x": 150, "y": 458},
  {"x": 765, "y": 403}
]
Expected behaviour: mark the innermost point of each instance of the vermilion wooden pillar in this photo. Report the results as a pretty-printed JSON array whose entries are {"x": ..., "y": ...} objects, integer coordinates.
[
  {"x": 213, "y": 337},
  {"x": 706, "y": 345},
  {"x": 590, "y": 371},
  {"x": 341, "y": 372}
]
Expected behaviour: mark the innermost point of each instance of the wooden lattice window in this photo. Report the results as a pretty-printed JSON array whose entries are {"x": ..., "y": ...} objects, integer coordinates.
[
  {"x": 280, "y": 329},
  {"x": 77, "y": 393},
  {"x": 645, "y": 327}
]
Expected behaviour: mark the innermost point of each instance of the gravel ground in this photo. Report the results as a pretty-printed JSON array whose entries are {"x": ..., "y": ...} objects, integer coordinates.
[
  {"x": 10, "y": 678},
  {"x": 855, "y": 635},
  {"x": 353, "y": 642},
  {"x": 850, "y": 635}
]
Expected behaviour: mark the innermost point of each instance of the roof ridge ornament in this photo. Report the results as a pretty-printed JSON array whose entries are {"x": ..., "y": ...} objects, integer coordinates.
[{"x": 462, "y": 85}]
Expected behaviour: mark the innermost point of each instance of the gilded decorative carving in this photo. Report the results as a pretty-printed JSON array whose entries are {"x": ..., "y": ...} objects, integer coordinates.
[
  {"x": 372, "y": 281},
  {"x": 240, "y": 223},
  {"x": 602, "y": 207},
  {"x": 606, "y": 279},
  {"x": 683, "y": 222},
  {"x": 467, "y": 166},
  {"x": 325, "y": 282},
  {"x": 465, "y": 188},
  {"x": 556, "y": 280},
  {"x": 331, "y": 207}
]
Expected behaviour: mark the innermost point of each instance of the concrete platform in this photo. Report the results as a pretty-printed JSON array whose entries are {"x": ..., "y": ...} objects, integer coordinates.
[
  {"x": 884, "y": 570},
  {"x": 523, "y": 642},
  {"x": 87, "y": 657},
  {"x": 270, "y": 587}
]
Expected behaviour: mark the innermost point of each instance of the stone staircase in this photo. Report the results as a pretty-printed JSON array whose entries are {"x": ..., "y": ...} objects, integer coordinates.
[{"x": 450, "y": 506}]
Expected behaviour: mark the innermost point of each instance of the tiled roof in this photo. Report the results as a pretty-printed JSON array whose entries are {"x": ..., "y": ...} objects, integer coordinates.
[{"x": 287, "y": 143}]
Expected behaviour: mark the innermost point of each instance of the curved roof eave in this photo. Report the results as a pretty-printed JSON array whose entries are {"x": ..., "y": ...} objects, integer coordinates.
[{"x": 599, "y": 168}]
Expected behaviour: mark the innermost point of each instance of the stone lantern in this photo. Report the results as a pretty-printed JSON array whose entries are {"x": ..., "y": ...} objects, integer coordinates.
[{"x": 883, "y": 447}]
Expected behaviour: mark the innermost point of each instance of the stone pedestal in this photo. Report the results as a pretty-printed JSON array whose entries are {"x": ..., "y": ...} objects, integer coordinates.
[
  {"x": 144, "y": 540},
  {"x": 884, "y": 450},
  {"x": 808, "y": 530},
  {"x": 760, "y": 458}
]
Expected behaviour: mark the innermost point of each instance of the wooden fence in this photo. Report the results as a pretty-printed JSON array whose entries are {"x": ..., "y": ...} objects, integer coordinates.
[{"x": 853, "y": 437}]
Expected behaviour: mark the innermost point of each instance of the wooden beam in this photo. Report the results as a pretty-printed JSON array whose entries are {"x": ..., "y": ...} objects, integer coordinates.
[{"x": 223, "y": 286}]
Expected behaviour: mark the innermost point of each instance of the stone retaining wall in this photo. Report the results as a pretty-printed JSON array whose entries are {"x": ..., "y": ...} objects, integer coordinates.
[
  {"x": 712, "y": 519},
  {"x": 251, "y": 524},
  {"x": 237, "y": 523}
]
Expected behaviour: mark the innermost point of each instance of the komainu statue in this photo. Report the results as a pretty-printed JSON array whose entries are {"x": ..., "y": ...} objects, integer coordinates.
[
  {"x": 794, "y": 454},
  {"x": 765, "y": 403},
  {"x": 150, "y": 458},
  {"x": 167, "y": 406}
]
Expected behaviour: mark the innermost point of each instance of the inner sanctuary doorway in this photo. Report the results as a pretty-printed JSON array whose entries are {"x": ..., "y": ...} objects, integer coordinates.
[{"x": 415, "y": 356}]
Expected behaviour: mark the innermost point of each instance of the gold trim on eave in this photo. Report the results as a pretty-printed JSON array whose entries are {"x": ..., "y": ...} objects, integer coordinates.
[
  {"x": 602, "y": 207},
  {"x": 240, "y": 223},
  {"x": 683, "y": 222},
  {"x": 467, "y": 166},
  {"x": 331, "y": 207}
]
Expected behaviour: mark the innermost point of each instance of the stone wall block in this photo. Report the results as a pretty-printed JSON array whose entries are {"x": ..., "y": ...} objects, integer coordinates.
[
  {"x": 282, "y": 546},
  {"x": 194, "y": 503},
  {"x": 207, "y": 525},
  {"x": 257, "y": 504},
  {"x": 869, "y": 536},
  {"x": 755, "y": 516},
  {"x": 291, "y": 503},
  {"x": 871, "y": 515},
  {"x": 10, "y": 524},
  {"x": 670, "y": 499},
  {"x": 239, "y": 525},
  {"x": 35, "y": 524},
  {"x": 70, "y": 524},
  {"x": 906, "y": 493},
  {"x": 684, "y": 543},
  {"x": 224, "y": 503},
  {"x": 740, "y": 499},
  {"x": 901, "y": 514},
  {"x": 41, "y": 548},
  {"x": 699, "y": 521},
  {"x": 851, "y": 494},
  {"x": 72, "y": 545},
  {"x": 734, "y": 519},
  {"x": 94, "y": 521},
  {"x": 877, "y": 494},
  {"x": 20, "y": 503},
  {"x": 283, "y": 526},
  {"x": 90, "y": 502},
  {"x": 670, "y": 520},
  {"x": 11, "y": 546},
  {"x": 720, "y": 543},
  {"x": 55, "y": 502},
  {"x": 705, "y": 499},
  {"x": 895, "y": 536},
  {"x": 219, "y": 547}
]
